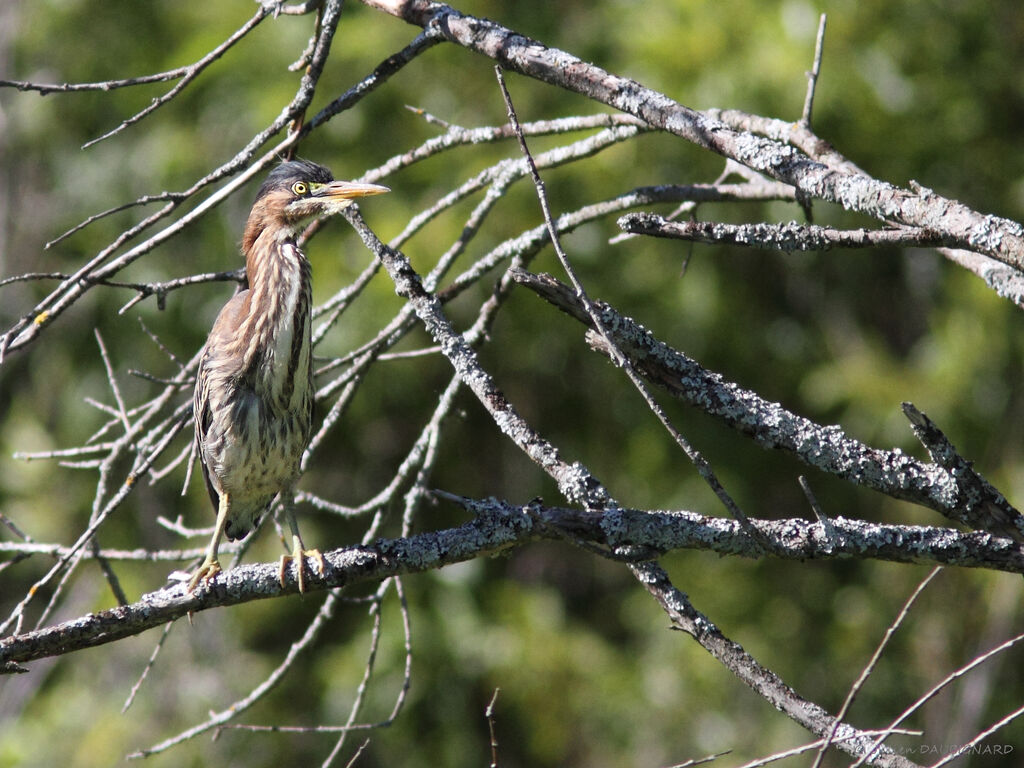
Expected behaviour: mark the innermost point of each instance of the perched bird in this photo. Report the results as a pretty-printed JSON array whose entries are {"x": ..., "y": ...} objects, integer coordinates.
[{"x": 253, "y": 402}]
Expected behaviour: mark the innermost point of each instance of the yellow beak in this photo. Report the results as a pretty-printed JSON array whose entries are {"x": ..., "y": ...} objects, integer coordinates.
[{"x": 348, "y": 190}]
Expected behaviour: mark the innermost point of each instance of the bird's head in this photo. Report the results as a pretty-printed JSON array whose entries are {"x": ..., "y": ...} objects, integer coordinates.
[{"x": 298, "y": 190}]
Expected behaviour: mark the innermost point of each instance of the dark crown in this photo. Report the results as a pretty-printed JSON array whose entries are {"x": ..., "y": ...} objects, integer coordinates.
[{"x": 290, "y": 171}]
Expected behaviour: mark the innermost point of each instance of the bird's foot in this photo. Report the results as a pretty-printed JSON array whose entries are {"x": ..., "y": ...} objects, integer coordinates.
[
  {"x": 299, "y": 555},
  {"x": 205, "y": 572}
]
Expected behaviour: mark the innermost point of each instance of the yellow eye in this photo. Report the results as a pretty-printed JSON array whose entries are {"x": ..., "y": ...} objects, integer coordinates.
[{"x": 300, "y": 188}]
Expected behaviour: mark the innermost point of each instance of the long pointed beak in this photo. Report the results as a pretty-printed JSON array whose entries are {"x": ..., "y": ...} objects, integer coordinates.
[{"x": 349, "y": 190}]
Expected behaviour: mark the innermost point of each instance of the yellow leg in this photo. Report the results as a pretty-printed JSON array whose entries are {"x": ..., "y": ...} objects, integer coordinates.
[
  {"x": 299, "y": 551},
  {"x": 210, "y": 566}
]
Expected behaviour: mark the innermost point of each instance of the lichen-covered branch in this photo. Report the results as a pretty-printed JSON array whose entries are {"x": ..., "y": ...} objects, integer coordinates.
[
  {"x": 777, "y": 237},
  {"x": 962, "y": 496},
  {"x": 499, "y": 525},
  {"x": 767, "y": 684}
]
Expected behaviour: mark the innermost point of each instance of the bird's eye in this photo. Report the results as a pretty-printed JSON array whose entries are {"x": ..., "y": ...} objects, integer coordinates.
[{"x": 300, "y": 188}]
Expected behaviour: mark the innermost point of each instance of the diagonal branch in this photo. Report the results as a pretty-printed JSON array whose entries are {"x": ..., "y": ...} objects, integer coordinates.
[
  {"x": 963, "y": 496},
  {"x": 696, "y": 458},
  {"x": 574, "y": 480},
  {"x": 765, "y": 682}
]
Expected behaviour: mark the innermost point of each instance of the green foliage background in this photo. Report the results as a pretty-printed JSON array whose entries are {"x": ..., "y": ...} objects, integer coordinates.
[{"x": 589, "y": 674}]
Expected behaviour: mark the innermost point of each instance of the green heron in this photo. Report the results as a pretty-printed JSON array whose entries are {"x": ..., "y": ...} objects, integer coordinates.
[{"x": 253, "y": 403}]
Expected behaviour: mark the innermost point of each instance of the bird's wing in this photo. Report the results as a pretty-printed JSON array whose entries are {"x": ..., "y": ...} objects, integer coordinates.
[{"x": 223, "y": 329}]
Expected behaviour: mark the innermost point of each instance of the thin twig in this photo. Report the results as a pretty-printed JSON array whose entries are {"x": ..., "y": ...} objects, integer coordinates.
[
  {"x": 812, "y": 76},
  {"x": 489, "y": 715},
  {"x": 967, "y": 748},
  {"x": 217, "y": 719},
  {"x": 122, "y": 412},
  {"x": 870, "y": 666},
  {"x": 826, "y": 524},
  {"x": 936, "y": 689},
  {"x": 104, "y": 85},
  {"x": 787, "y": 753},
  {"x": 150, "y": 663},
  {"x": 190, "y": 73},
  {"x": 698, "y": 460}
]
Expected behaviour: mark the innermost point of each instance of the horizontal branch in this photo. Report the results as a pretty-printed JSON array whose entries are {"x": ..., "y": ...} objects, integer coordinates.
[
  {"x": 659, "y": 532},
  {"x": 26, "y": 548},
  {"x": 103, "y": 85},
  {"x": 343, "y": 567},
  {"x": 778, "y": 237},
  {"x": 498, "y": 525}
]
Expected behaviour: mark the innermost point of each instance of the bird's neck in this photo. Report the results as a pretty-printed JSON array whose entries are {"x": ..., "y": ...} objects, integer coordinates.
[
  {"x": 278, "y": 310},
  {"x": 272, "y": 260}
]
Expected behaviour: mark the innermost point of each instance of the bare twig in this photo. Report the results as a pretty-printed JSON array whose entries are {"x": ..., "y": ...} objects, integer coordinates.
[
  {"x": 150, "y": 663},
  {"x": 188, "y": 74},
  {"x": 216, "y": 719},
  {"x": 489, "y": 715},
  {"x": 968, "y": 747},
  {"x": 819, "y": 513},
  {"x": 812, "y": 76},
  {"x": 870, "y": 666},
  {"x": 787, "y": 753},
  {"x": 121, "y": 411},
  {"x": 940, "y": 686}
]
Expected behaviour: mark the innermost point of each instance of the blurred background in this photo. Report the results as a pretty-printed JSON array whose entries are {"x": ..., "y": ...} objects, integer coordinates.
[{"x": 588, "y": 671}]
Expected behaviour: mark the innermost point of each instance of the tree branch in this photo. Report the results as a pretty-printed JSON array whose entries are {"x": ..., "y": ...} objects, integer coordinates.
[
  {"x": 575, "y": 481},
  {"x": 994, "y": 236},
  {"x": 498, "y": 526},
  {"x": 765, "y": 682},
  {"x": 963, "y": 495},
  {"x": 779, "y": 237}
]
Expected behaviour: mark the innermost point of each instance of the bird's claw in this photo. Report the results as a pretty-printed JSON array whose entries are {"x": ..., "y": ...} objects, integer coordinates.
[
  {"x": 299, "y": 555},
  {"x": 205, "y": 572}
]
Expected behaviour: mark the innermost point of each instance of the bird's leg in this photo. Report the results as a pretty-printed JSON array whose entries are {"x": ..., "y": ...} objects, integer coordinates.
[
  {"x": 299, "y": 551},
  {"x": 210, "y": 566}
]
